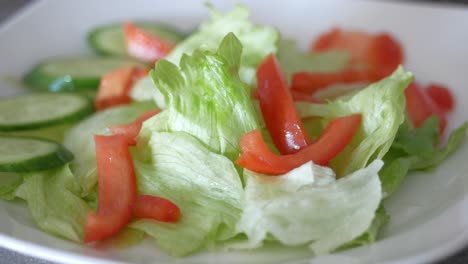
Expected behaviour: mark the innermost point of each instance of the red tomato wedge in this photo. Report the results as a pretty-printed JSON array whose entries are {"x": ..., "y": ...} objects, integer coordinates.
[
  {"x": 442, "y": 96},
  {"x": 281, "y": 118},
  {"x": 116, "y": 188},
  {"x": 156, "y": 208},
  {"x": 372, "y": 58},
  {"x": 420, "y": 106},
  {"x": 256, "y": 155},
  {"x": 114, "y": 88},
  {"x": 130, "y": 131},
  {"x": 143, "y": 45}
]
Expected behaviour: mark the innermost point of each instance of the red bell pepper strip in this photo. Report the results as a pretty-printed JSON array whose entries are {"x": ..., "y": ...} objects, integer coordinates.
[
  {"x": 281, "y": 118},
  {"x": 311, "y": 82},
  {"x": 256, "y": 155},
  {"x": 116, "y": 188},
  {"x": 420, "y": 106},
  {"x": 114, "y": 88},
  {"x": 143, "y": 45},
  {"x": 442, "y": 96},
  {"x": 156, "y": 208},
  {"x": 130, "y": 131},
  {"x": 372, "y": 58}
]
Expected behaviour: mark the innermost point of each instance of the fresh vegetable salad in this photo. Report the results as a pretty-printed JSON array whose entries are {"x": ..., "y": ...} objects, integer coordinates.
[{"x": 228, "y": 137}]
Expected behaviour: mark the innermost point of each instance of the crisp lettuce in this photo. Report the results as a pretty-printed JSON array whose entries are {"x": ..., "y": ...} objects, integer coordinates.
[
  {"x": 382, "y": 106},
  {"x": 258, "y": 41},
  {"x": 9, "y": 182},
  {"x": 205, "y": 98},
  {"x": 205, "y": 186},
  {"x": 80, "y": 140},
  {"x": 416, "y": 149},
  {"x": 145, "y": 90},
  {"x": 297, "y": 208},
  {"x": 53, "y": 199},
  {"x": 293, "y": 60}
]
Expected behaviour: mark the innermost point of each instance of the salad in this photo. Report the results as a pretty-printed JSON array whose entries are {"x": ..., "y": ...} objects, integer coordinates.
[{"x": 229, "y": 137}]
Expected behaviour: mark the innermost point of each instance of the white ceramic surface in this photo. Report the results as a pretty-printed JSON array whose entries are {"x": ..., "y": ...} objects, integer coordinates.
[{"x": 429, "y": 212}]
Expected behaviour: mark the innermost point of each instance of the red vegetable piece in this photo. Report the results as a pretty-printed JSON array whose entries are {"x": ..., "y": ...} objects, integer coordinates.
[
  {"x": 116, "y": 188},
  {"x": 130, "y": 131},
  {"x": 114, "y": 88},
  {"x": 442, "y": 96},
  {"x": 156, "y": 208},
  {"x": 256, "y": 155},
  {"x": 420, "y": 106},
  {"x": 281, "y": 118},
  {"x": 311, "y": 82},
  {"x": 143, "y": 45},
  {"x": 372, "y": 58}
]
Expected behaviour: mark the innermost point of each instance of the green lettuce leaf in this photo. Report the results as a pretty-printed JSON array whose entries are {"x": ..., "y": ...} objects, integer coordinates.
[
  {"x": 416, "y": 149},
  {"x": 258, "y": 41},
  {"x": 294, "y": 60},
  {"x": 298, "y": 208},
  {"x": 205, "y": 98},
  {"x": 370, "y": 236},
  {"x": 145, "y": 90},
  {"x": 80, "y": 140},
  {"x": 54, "y": 202},
  {"x": 382, "y": 106},
  {"x": 205, "y": 186},
  {"x": 9, "y": 182}
]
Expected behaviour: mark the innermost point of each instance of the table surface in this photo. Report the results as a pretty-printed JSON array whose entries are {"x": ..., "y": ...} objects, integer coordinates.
[{"x": 9, "y": 7}]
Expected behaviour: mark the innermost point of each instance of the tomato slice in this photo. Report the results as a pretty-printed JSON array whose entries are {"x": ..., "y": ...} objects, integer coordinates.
[
  {"x": 442, "y": 96},
  {"x": 420, "y": 106},
  {"x": 256, "y": 155},
  {"x": 116, "y": 188},
  {"x": 114, "y": 88},
  {"x": 145, "y": 46},
  {"x": 281, "y": 118},
  {"x": 130, "y": 131},
  {"x": 156, "y": 208}
]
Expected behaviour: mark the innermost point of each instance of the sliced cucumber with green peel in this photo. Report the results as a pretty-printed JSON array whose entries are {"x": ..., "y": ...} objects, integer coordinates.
[
  {"x": 23, "y": 154},
  {"x": 39, "y": 110},
  {"x": 73, "y": 74},
  {"x": 109, "y": 39}
]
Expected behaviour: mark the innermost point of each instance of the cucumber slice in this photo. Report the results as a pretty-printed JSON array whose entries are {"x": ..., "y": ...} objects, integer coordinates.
[
  {"x": 109, "y": 39},
  {"x": 38, "y": 110},
  {"x": 71, "y": 74},
  {"x": 22, "y": 154}
]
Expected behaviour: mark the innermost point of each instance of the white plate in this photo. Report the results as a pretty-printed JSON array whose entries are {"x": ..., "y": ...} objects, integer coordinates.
[{"x": 430, "y": 211}]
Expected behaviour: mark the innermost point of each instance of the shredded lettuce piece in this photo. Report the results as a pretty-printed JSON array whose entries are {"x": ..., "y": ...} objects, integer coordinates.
[
  {"x": 145, "y": 90},
  {"x": 382, "y": 106},
  {"x": 370, "y": 236},
  {"x": 205, "y": 98},
  {"x": 205, "y": 186},
  {"x": 295, "y": 209},
  {"x": 294, "y": 60},
  {"x": 9, "y": 182},
  {"x": 258, "y": 41},
  {"x": 415, "y": 149},
  {"x": 80, "y": 140},
  {"x": 54, "y": 202}
]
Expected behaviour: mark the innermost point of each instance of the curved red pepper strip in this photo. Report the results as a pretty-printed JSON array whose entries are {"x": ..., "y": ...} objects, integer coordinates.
[
  {"x": 256, "y": 155},
  {"x": 281, "y": 118}
]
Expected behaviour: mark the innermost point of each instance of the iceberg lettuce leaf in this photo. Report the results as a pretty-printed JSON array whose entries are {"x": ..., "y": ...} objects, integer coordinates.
[
  {"x": 296, "y": 209},
  {"x": 258, "y": 41},
  {"x": 205, "y": 186},
  {"x": 205, "y": 98}
]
